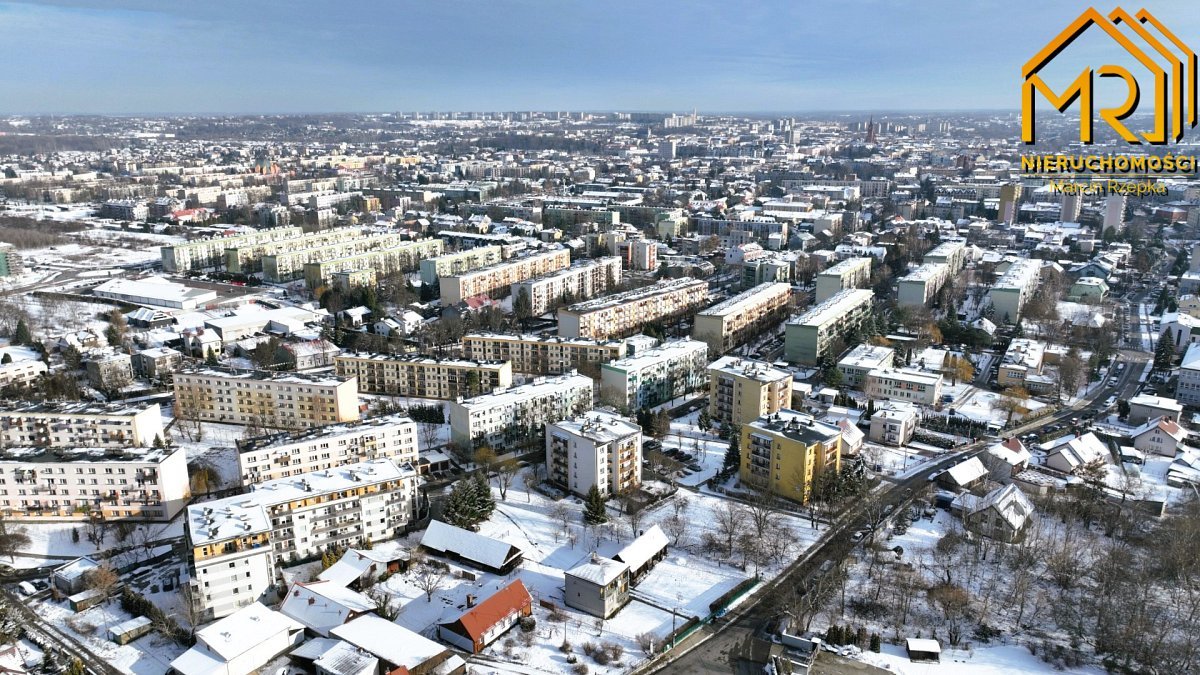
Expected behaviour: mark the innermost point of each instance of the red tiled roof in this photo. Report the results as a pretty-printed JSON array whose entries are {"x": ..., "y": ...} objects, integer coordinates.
[{"x": 488, "y": 613}]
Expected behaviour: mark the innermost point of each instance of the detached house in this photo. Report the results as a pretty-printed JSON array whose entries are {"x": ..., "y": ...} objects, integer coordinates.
[
  {"x": 600, "y": 586},
  {"x": 483, "y": 624},
  {"x": 1161, "y": 436},
  {"x": 643, "y": 553},
  {"x": 459, "y": 545},
  {"x": 323, "y": 605},
  {"x": 1070, "y": 454},
  {"x": 1002, "y": 514},
  {"x": 1010, "y": 453}
]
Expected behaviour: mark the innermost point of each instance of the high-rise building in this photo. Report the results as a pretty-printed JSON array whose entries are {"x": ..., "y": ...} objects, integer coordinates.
[
  {"x": 265, "y": 400},
  {"x": 1071, "y": 205},
  {"x": 598, "y": 448},
  {"x": 739, "y": 319},
  {"x": 787, "y": 451},
  {"x": 654, "y": 376},
  {"x": 742, "y": 390},
  {"x": 510, "y": 417}
]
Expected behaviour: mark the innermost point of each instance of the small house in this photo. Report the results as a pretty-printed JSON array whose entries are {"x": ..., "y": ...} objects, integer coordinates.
[
  {"x": 643, "y": 553},
  {"x": 1072, "y": 454},
  {"x": 240, "y": 643},
  {"x": 323, "y": 605},
  {"x": 923, "y": 650},
  {"x": 357, "y": 569},
  {"x": 69, "y": 578},
  {"x": 1145, "y": 407},
  {"x": 483, "y": 624},
  {"x": 1001, "y": 514},
  {"x": 128, "y": 631},
  {"x": 599, "y": 586},
  {"x": 1009, "y": 455},
  {"x": 1161, "y": 436},
  {"x": 455, "y": 543},
  {"x": 399, "y": 649},
  {"x": 964, "y": 475}
]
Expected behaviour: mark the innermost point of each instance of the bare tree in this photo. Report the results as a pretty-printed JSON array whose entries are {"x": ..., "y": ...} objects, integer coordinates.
[
  {"x": 730, "y": 517},
  {"x": 103, "y": 579},
  {"x": 204, "y": 477},
  {"x": 675, "y": 527},
  {"x": 561, "y": 514},
  {"x": 506, "y": 473},
  {"x": 427, "y": 575},
  {"x": 13, "y": 540},
  {"x": 385, "y": 605},
  {"x": 634, "y": 516},
  {"x": 189, "y": 608}
]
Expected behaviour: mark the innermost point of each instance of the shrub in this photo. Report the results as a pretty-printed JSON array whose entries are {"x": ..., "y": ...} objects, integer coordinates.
[
  {"x": 614, "y": 650},
  {"x": 589, "y": 648},
  {"x": 646, "y": 642},
  {"x": 528, "y": 623},
  {"x": 601, "y": 657},
  {"x": 876, "y": 642},
  {"x": 860, "y": 638},
  {"x": 565, "y": 647},
  {"x": 579, "y": 669}
]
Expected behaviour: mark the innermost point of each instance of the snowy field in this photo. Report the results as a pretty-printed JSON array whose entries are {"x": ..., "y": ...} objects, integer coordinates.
[
  {"x": 150, "y": 654},
  {"x": 999, "y": 660},
  {"x": 680, "y": 587}
]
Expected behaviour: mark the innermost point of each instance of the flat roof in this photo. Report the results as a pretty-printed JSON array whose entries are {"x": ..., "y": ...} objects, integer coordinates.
[
  {"x": 541, "y": 386},
  {"x": 797, "y": 426},
  {"x": 747, "y": 298},
  {"x": 925, "y": 272},
  {"x": 99, "y": 455},
  {"x": 601, "y": 426},
  {"x": 833, "y": 307},
  {"x": 665, "y": 286},
  {"x": 265, "y": 376},
  {"x": 867, "y": 356},
  {"x": 284, "y": 438},
  {"x": 760, "y": 371},
  {"x": 426, "y": 360},
  {"x": 667, "y": 351}
]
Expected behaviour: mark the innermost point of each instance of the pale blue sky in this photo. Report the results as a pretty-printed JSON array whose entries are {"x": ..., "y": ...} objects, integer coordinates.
[{"x": 124, "y": 56}]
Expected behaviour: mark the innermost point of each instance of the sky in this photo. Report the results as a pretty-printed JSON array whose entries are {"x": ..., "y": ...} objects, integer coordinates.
[{"x": 273, "y": 56}]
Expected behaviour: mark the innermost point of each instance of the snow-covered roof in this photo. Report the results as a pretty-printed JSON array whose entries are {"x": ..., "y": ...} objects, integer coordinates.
[
  {"x": 479, "y": 620},
  {"x": 231, "y": 637},
  {"x": 321, "y": 605},
  {"x": 353, "y": 564},
  {"x": 1160, "y": 402},
  {"x": 1085, "y": 449},
  {"x": 1012, "y": 451},
  {"x": 391, "y": 642},
  {"x": 76, "y": 568},
  {"x": 1164, "y": 423},
  {"x": 923, "y": 645},
  {"x": 343, "y": 658},
  {"x": 642, "y": 549},
  {"x": 1010, "y": 501},
  {"x": 599, "y": 570},
  {"x": 967, "y": 472},
  {"x": 475, "y": 547}
]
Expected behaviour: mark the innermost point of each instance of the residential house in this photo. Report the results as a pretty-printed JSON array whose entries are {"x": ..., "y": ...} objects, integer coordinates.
[
  {"x": 643, "y": 553},
  {"x": 599, "y": 586},
  {"x": 1008, "y": 457},
  {"x": 1002, "y": 514},
  {"x": 964, "y": 475},
  {"x": 457, "y": 544},
  {"x": 241, "y": 643},
  {"x": 1145, "y": 407},
  {"x": 399, "y": 650},
  {"x": 1071, "y": 454},
  {"x": 1161, "y": 436},
  {"x": 483, "y": 624},
  {"x": 324, "y": 605}
]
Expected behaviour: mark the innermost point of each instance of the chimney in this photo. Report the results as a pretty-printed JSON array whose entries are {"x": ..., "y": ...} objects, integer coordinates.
[{"x": 470, "y": 599}]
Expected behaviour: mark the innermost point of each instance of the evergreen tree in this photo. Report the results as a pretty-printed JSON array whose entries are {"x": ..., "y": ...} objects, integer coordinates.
[
  {"x": 158, "y": 441},
  {"x": 211, "y": 358},
  {"x": 870, "y": 408},
  {"x": 7, "y": 358},
  {"x": 22, "y": 335},
  {"x": 594, "y": 512},
  {"x": 522, "y": 304},
  {"x": 482, "y": 500},
  {"x": 459, "y": 509},
  {"x": 704, "y": 421},
  {"x": 733, "y": 458},
  {"x": 1164, "y": 355}
]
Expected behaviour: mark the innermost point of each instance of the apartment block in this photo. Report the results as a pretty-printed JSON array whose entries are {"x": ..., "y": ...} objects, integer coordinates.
[
  {"x": 236, "y": 543},
  {"x": 549, "y": 355},
  {"x": 785, "y": 452},
  {"x": 286, "y": 454},
  {"x": 951, "y": 253},
  {"x": 904, "y": 384},
  {"x": 849, "y": 273},
  {"x": 423, "y": 376},
  {"x": 739, "y": 319},
  {"x": 1014, "y": 288},
  {"x": 597, "y": 448},
  {"x": 809, "y": 336},
  {"x": 11, "y": 263},
  {"x": 1022, "y": 361},
  {"x": 1187, "y": 388},
  {"x": 80, "y": 425},
  {"x": 654, "y": 376},
  {"x": 266, "y": 400},
  {"x": 403, "y": 257},
  {"x": 287, "y": 263},
  {"x": 249, "y": 258},
  {"x": 485, "y": 281},
  {"x": 459, "y": 262},
  {"x": 584, "y": 280},
  {"x": 79, "y": 483},
  {"x": 861, "y": 360},
  {"x": 210, "y": 252},
  {"x": 507, "y": 418},
  {"x": 22, "y": 373},
  {"x": 918, "y": 287},
  {"x": 627, "y": 313},
  {"x": 742, "y": 390}
]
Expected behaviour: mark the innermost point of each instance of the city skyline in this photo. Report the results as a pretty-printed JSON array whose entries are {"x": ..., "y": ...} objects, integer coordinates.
[{"x": 139, "y": 57}]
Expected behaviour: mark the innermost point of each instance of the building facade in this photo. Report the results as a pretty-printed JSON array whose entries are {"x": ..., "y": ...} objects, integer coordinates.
[
  {"x": 787, "y": 451},
  {"x": 403, "y": 257},
  {"x": 739, "y": 319},
  {"x": 920, "y": 286},
  {"x": 80, "y": 425},
  {"x": 265, "y": 400},
  {"x": 863, "y": 359},
  {"x": 484, "y": 281},
  {"x": 210, "y": 252},
  {"x": 1014, "y": 288},
  {"x": 584, "y": 280},
  {"x": 655, "y": 376},
  {"x": 551, "y": 355},
  {"x": 904, "y": 384},
  {"x": 507, "y": 418},
  {"x": 627, "y": 313},
  {"x": 743, "y": 390},
  {"x": 598, "y": 448},
  {"x": 423, "y": 376},
  {"x": 809, "y": 337},
  {"x": 282, "y": 455},
  {"x": 459, "y": 262},
  {"x": 847, "y": 274}
]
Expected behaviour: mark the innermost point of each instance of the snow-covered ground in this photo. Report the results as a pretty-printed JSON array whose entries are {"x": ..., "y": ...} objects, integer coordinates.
[
  {"x": 680, "y": 587},
  {"x": 150, "y": 654},
  {"x": 707, "y": 449},
  {"x": 983, "y": 406},
  {"x": 998, "y": 660}
]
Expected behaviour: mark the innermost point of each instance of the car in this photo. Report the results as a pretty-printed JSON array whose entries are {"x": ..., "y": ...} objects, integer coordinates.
[
  {"x": 934, "y": 476},
  {"x": 947, "y": 398},
  {"x": 858, "y": 536},
  {"x": 26, "y": 588},
  {"x": 695, "y": 466},
  {"x": 887, "y": 510}
]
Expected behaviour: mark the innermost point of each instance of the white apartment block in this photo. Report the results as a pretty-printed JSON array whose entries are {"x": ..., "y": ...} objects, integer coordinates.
[
  {"x": 249, "y": 258},
  {"x": 861, "y": 360},
  {"x": 655, "y": 376},
  {"x": 210, "y": 252},
  {"x": 78, "y": 483},
  {"x": 739, "y": 319},
  {"x": 403, "y": 257},
  {"x": 951, "y": 253},
  {"x": 237, "y": 542},
  {"x": 597, "y": 448},
  {"x": 809, "y": 337},
  {"x": 458, "y": 287},
  {"x": 550, "y": 355},
  {"x": 506, "y": 418},
  {"x": 627, "y": 313},
  {"x": 904, "y": 384},
  {"x": 286, "y": 454},
  {"x": 21, "y": 373},
  {"x": 80, "y": 425},
  {"x": 459, "y": 262},
  {"x": 743, "y": 390},
  {"x": 918, "y": 287},
  {"x": 849, "y": 273},
  {"x": 287, "y": 263},
  {"x": 1187, "y": 389},
  {"x": 423, "y": 376},
  {"x": 266, "y": 400},
  {"x": 1014, "y": 288},
  {"x": 584, "y": 280}
]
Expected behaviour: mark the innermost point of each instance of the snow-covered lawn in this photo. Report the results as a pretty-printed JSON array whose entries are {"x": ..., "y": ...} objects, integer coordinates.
[
  {"x": 984, "y": 406},
  {"x": 999, "y": 660},
  {"x": 150, "y": 654},
  {"x": 707, "y": 449},
  {"x": 681, "y": 586},
  {"x": 55, "y": 539}
]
